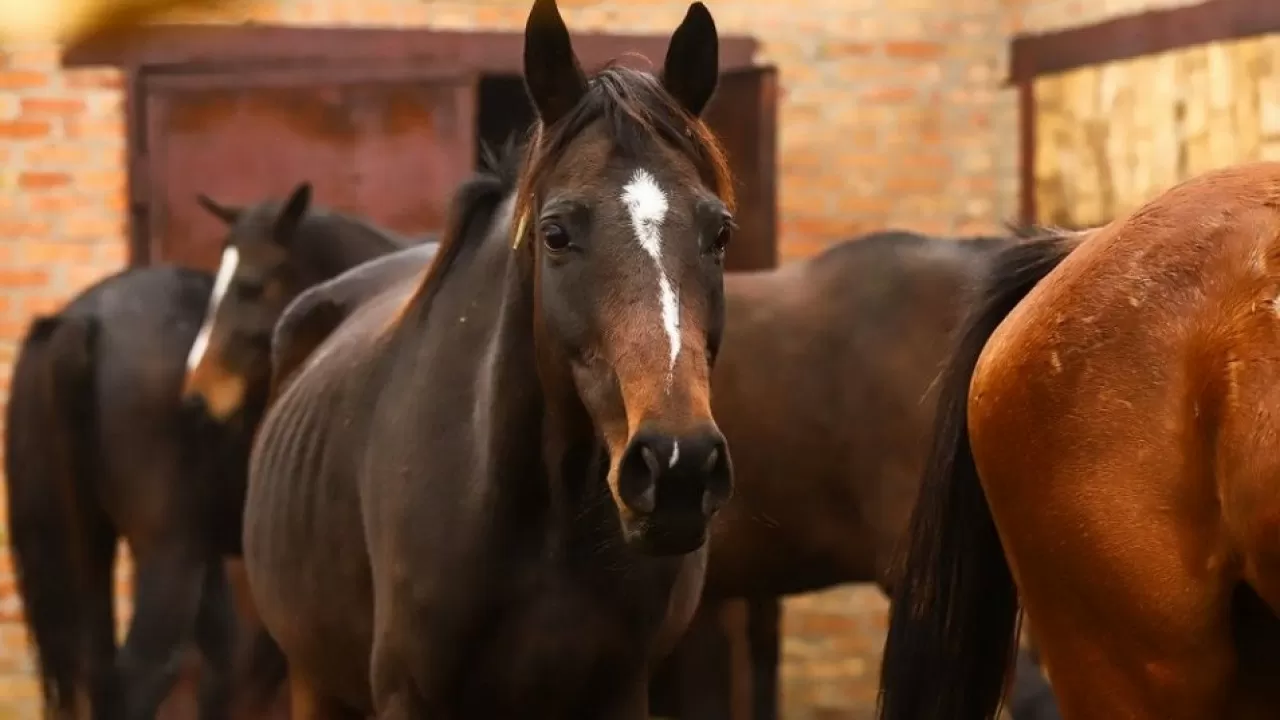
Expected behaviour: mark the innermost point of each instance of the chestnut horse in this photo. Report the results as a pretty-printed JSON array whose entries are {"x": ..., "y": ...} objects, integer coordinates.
[
  {"x": 824, "y": 390},
  {"x": 1106, "y": 451},
  {"x": 487, "y": 494}
]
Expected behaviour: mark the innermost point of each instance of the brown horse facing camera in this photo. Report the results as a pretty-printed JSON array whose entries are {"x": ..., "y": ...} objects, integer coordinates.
[
  {"x": 1111, "y": 420},
  {"x": 490, "y": 498}
]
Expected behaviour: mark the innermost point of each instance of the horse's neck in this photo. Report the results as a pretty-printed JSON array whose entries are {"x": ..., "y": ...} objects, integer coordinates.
[
  {"x": 536, "y": 454},
  {"x": 350, "y": 242}
]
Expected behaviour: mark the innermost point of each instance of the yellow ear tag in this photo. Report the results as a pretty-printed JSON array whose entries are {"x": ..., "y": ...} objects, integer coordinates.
[{"x": 520, "y": 226}]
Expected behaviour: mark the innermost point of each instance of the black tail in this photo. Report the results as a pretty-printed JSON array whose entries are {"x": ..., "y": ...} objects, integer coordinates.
[
  {"x": 265, "y": 671},
  {"x": 47, "y": 430},
  {"x": 953, "y": 617}
]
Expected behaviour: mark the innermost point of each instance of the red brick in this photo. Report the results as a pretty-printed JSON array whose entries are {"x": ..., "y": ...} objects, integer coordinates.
[
  {"x": 11, "y": 277},
  {"x": 56, "y": 252},
  {"x": 23, "y": 129},
  {"x": 31, "y": 57},
  {"x": 94, "y": 79},
  {"x": 102, "y": 181},
  {"x": 82, "y": 276},
  {"x": 53, "y": 203},
  {"x": 55, "y": 154},
  {"x": 79, "y": 227},
  {"x": 39, "y": 180},
  {"x": 42, "y": 304},
  {"x": 19, "y": 227},
  {"x": 889, "y": 94},
  {"x": 914, "y": 184},
  {"x": 927, "y": 161},
  {"x": 78, "y": 128},
  {"x": 51, "y": 106},
  {"x": 914, "y": 50},
  {"x": 22, "y": 79},
  {"x": 837, "y": 49}
]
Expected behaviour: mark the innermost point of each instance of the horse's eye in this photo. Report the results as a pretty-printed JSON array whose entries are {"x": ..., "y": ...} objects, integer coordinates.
[
  {"x": 555, "y": 238},
  {"x": 723, "y": 235}
]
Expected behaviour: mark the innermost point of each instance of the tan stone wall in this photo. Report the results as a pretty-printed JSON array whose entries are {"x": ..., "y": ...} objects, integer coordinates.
[{"x": 892, "y": 114}]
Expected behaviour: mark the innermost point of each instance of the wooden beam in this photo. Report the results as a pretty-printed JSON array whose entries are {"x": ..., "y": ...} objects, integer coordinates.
[{"x": 1131, "y": 36}]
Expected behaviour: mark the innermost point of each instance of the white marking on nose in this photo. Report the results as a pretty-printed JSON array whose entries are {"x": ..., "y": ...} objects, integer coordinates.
[
  {"x": 675, "y": 453},
  {"x": 222, "y": 281},
  {"x": 647, "y": 206}
]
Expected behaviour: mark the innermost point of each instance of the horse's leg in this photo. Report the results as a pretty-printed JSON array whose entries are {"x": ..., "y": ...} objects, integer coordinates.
[
  {"x": 711, "y": 677},
  {"x": 700, "y": 667},
  {"x": 167, "y": 589},
  {"x": 630, "y": 705},
  {"x": 215, "y": 636},
  {"x": 1125, "y": 629},
  {"x": 98, "y": 622},
  {"x": 306, "y": 703},
  {"x": 764, "y": 637},
  {"x": 1130, "y": 600},
  {"x": 1248, "y": 465}
]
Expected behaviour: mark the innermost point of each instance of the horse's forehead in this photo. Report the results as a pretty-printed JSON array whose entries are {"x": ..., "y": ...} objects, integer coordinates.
[{"x": 597, "y": 163}]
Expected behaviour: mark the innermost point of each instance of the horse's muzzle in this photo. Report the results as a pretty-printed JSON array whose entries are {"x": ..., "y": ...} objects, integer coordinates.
[{"x": 673, "y": 484}]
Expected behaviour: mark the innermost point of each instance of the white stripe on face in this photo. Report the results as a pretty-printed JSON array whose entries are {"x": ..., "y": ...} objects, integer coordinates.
[
  {"x": 647, "y": 206},
  {"x": 226, "y": 271}
]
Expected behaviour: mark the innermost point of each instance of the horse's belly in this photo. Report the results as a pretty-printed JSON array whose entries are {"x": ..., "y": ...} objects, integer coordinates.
[{"x": 306, "y": 561}]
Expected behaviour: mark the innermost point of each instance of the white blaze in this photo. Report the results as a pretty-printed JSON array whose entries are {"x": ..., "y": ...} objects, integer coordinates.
[
  {"x": 647, "y": 206},
  {"x": 226, "y": 271}
]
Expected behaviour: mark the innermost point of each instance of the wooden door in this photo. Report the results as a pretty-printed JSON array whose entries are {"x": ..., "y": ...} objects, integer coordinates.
[
  {"x": 743, "y": 114},
  {"x": 381, "y": 140}
]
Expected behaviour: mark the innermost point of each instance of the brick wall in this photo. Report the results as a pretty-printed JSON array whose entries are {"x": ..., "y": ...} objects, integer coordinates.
[{"x": 891, "y": 114}]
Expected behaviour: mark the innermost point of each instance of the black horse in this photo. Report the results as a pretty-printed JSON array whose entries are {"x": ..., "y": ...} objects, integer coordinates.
[{"x": 100, "y": 445}]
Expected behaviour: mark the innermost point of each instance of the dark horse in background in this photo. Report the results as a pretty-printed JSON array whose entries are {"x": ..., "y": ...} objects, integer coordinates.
[
  {"x": 846, "y": 342},
  {"x": 824, "y": 389},
  {"x": 100, "y": 446},
  {"x": 488, "y": 492}
]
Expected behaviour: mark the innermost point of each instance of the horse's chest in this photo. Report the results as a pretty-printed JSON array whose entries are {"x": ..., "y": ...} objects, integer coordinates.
[{"x": 556, "y": 651}]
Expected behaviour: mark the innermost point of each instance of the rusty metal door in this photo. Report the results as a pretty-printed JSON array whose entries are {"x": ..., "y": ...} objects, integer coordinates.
[
  {"x": 743, "y": 114},
  {"x": 387, "y": 142}
]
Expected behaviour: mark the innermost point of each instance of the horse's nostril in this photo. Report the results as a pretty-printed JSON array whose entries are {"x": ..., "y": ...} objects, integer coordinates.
[
  {"x": 647, "y": 500},
  {"x": 637, "y": 478},
  {"x": 651, "y": 461},
  {"x": 710, "y": 503},
  {"x": 712, "y": 459},
  {"x": 675, "y": 475}
]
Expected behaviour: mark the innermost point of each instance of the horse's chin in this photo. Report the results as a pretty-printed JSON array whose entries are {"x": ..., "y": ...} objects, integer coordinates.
[{"x": 665, "y": 535}]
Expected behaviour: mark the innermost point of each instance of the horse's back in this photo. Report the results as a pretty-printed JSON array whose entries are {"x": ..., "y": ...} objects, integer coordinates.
[
  {"x": 1147, "y": 301},
  {"x": 320, "y": 310},
  {"x": 824, "y": 375},
  {"x": 145, "y": 321}
]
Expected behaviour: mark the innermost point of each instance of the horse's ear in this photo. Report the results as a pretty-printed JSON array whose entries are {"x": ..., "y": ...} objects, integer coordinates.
[
  {"x": 692, "y": 67},
  {"x": 552, "y": 74},
  {"x": 292, "y": 211},
  {"x": 225, "y": 213}
]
